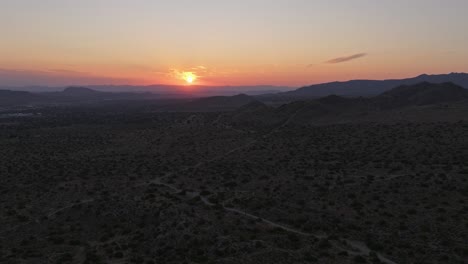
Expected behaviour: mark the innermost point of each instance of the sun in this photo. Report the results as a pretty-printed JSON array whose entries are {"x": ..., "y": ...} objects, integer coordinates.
[{"x": 189, "y": 77}]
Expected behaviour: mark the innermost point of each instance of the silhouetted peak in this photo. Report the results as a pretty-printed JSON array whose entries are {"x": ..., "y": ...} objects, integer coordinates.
[
  {"x": 354, "y": 88},
  {"x": 73, "y": 90},
  {"x": 424, "y": 93}
]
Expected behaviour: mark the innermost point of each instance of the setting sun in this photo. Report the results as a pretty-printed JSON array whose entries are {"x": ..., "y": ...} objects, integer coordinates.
[{"x": 189, "y": 77}]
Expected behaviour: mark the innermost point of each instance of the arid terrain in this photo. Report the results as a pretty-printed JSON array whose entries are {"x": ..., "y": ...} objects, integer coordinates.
[{"x": 332, "y": 180}]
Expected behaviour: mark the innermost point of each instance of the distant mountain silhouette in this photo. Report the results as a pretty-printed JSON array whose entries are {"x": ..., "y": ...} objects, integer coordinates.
[
  {"x": 80, "y": 91},
  {"x": 422, "y": 94},
  {"x": 70, "y": 95},
  {"x": 333, "y": 108},
  {"x": 370, "y": 87},
  {"x": 168, "y": 91},
  {"x": 196, "y": 91}
]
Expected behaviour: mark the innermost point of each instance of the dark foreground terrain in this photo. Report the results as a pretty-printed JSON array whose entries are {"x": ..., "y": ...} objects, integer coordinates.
[{"x": 100, "y": 185}]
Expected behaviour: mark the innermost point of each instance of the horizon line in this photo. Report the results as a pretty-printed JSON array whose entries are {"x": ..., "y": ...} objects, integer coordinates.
[{"x": 226, "y": 85}]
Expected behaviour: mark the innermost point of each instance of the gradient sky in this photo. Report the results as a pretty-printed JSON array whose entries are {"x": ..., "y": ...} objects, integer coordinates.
[{"x": 242, "y": 42}]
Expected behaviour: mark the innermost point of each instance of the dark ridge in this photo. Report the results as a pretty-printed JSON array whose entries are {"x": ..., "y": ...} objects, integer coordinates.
[
  {"x": 370, "y": 87},
  {"x": 79, "y": 91},
  {"x": 423, "y": 93}
]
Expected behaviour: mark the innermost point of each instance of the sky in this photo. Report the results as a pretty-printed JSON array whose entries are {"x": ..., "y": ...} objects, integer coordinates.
[{"x": 221, "y": 42}]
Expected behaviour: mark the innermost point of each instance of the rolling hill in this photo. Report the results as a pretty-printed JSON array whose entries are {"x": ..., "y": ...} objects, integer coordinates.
[
  {"x": 422, "y": 94},
  {"x": 420, "y": 100}
]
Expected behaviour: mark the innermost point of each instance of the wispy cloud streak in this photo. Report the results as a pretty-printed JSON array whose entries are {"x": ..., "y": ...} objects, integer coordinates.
[{"x": 347, "y": 58}]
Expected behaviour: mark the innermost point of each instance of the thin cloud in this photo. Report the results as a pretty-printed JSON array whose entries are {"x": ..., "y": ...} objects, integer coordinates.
[
  {"x": 199, "y": 71},
  {"x": 345, "y": 59}
]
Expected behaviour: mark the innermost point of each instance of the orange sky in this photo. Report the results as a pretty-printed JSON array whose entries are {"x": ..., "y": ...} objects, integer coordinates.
[{"x": 278, "y": 42}]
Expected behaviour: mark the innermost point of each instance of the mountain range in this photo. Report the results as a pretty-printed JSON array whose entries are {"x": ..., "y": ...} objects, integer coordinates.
[
  {"x": 68, "y": 95},
  {"x": 357, "y": 88},
  {"x": 421, "y": 101},
  {"x": 369, "y": 87},
  {"x": 350, "y": 88},
  {"x": 166, "y": 90}
]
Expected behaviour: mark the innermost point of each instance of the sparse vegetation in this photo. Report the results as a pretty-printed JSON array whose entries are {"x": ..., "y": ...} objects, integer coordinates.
[{"x": 79, "y": 185}]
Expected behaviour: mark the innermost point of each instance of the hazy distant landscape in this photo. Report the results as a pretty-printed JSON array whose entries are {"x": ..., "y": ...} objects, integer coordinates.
[{"x": 35, "y": 96}]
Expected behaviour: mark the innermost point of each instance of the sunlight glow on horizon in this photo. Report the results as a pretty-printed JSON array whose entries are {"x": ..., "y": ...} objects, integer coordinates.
[{"x": 189, "y": 77}]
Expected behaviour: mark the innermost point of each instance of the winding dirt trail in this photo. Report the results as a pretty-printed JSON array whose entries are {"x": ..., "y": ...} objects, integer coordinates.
[{"x": 359, "y": 247}]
